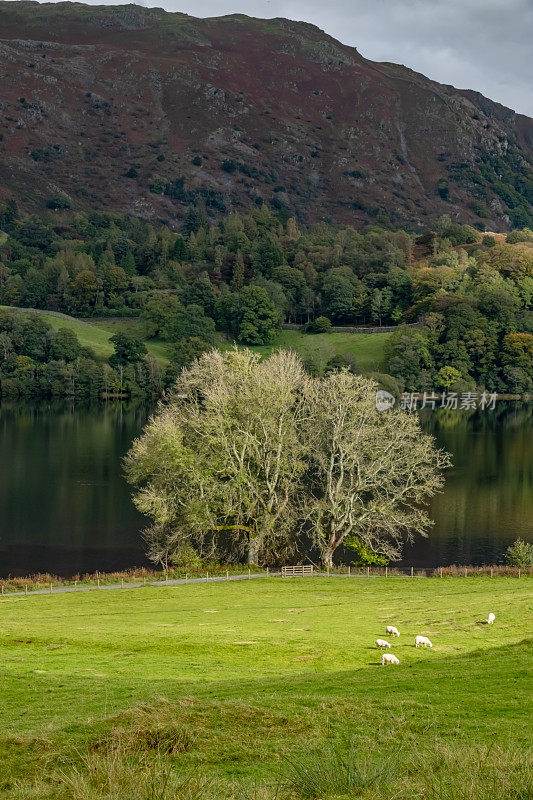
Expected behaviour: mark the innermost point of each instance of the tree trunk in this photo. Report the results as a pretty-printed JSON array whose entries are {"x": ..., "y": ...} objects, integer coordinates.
[
  {"x": 331, "y": 546},
  {"x": 253, "y": 549}
]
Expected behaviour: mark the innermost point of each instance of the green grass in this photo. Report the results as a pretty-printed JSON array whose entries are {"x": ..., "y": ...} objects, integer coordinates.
[
  {"x": 234, "y": 681},
  {"x": 368, "y": 348},
  {"x": 96, "y": 335}
]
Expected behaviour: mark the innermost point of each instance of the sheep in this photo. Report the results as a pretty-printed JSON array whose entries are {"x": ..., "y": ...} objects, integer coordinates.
[
  {"x": 392, "y": 630},
  {"x": 422, "y": 641},
  {"x": 490, "y": 620},
  {"x": 388, "y": 658},
  {"x": 382, "y": 643}
]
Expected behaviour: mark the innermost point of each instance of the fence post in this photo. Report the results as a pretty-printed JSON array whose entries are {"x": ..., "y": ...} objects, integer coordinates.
[
  {"x": 144, "y": 580},
  {"x": 466, "y": 572},
  {"x": 186, "y": 577},
  {"x": 518, "y": 572},
  {"x": 411, "y": 572},
  {"x": 227, "y": 575},
  {"x": 207, "y": 577},
  {"x": 50, "y": 587},
  {"x": 368, "y": 572},
  {"x": 26, "y": 589},
  {"x": 2, "y": 588},
  {"x": 441, "y": 572},
  {"x": 268, "y": 572},
  {"x": 386, "y": 572},
  {"x": 491, "y": 571},
  {"x": 98, "y": 581},
  {"x": 349, "y": 570},
  {"x": 249, "y": 573},
  {"x": 122, "y": 583},
  {"x": 75, "y": 583}
]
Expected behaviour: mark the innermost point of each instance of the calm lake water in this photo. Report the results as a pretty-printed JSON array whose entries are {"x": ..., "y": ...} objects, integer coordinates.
[{"x": 65, "y": 507}]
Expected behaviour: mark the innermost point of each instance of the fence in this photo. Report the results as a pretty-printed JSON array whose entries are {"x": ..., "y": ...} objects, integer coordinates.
[
  {"x": 297, "y": 571},
  {"x": 41, "y": 584},
  {"x": 292, "y": 326}
]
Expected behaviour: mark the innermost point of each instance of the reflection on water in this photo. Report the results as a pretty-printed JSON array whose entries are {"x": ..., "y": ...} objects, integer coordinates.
[
  {"x": 488, "y": 498},
  {"x": 65, "y": 506}
]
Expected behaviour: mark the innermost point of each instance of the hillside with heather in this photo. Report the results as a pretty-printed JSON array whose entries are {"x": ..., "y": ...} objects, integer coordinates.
[{"x": 144, "y": 112}]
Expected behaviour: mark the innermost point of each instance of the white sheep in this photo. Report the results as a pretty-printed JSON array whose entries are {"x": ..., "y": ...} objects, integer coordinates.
[
  {"x": 388, "y": 658},
  {"x": 392, "y": 630},
  {"x": 490, "y": 620},
  {"x": 382, "y": 643},
  {"x": 422, "y": 641}
]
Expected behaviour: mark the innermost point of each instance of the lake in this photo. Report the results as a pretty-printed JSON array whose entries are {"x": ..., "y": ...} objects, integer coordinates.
[{"x": 65, "y": 507}]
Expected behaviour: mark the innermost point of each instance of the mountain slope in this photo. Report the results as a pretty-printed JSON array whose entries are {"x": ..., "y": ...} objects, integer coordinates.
[{"x": 143, "y": 111}]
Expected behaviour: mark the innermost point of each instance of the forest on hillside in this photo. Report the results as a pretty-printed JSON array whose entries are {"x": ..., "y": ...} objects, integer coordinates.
[{"x": 469, "y": 295}]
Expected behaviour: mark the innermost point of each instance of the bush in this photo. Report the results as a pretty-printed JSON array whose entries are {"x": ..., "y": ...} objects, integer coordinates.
[
  {"x": 488, "y": 241},
  {"x": 519, "y": 554},
  {"x": 59, "y": 202},
  {"x": 319, "y": 325},
  {"x": 186, "y": 557}
]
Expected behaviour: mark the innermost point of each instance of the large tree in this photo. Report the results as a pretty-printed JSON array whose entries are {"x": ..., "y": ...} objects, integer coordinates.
[
  {"x": 224, "y": 454},
  {"x": 371, "y": 472},
  {"x": 251, "y": 452}
]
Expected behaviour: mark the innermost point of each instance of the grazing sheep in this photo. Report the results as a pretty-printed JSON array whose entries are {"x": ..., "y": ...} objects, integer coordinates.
[
  {"x": 382, "y": 643},
  {"x": 491, "y": 618},
  {"x": 392, "y": 630},
  {"x": 388, "y": 658},
  {"x": 422, "y": 641}
]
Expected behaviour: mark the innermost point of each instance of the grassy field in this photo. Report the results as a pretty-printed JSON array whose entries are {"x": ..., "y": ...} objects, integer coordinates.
[
  {"x": 96, "y": 335},
  {"x": 265, "y": 689},
  {"x": 368, "y": 348}
]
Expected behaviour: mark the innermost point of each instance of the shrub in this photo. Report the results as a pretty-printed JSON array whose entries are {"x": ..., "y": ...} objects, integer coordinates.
[
  {"x": 519, "y": 554},
  {"x": 59, "y": 202},
  {"x": 186, "y": 557},
  {"x": 319, "y": 325},
  {"x": 488, "y": 241}
]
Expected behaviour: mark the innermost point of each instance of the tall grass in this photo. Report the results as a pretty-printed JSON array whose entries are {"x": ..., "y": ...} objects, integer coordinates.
[
  {"x": 436, "y": 771},
  {"x": 338, "y": 772}
]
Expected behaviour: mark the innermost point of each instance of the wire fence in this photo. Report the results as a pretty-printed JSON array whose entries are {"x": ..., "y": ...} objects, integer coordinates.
[{"x": 133, "y": 579}]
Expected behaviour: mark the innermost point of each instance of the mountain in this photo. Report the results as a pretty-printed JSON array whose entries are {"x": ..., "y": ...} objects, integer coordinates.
[{"x": 141, "y": 111}]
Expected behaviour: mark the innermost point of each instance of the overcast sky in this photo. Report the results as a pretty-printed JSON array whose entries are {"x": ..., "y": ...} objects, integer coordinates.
[{"x": 472, "y": 44}]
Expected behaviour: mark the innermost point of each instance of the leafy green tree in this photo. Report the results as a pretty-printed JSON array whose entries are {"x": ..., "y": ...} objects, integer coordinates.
[
  {"x": 381, "y": 304},
  {"x": 519, "y": 554},
  {"x": 267, "y": 256},
  {"x": 200, "y": 293},
  {"x": 319, "y": 325},
  {"x": 517, "y": 351},
  {"x": 257, "y": 318},
  {"x": 223, "y": 455},
  {"x": 342, "y": 295},
  {"x": 258, "y": 450},
  {"x": 128, "y": 349},
  {"x": 409, "y": 357},
  {"x": 371, "y": 472},
  {"x": 182, "y": 354},
  {"x": 64, "y": 345},
  {"x": 447, "y": 377}
]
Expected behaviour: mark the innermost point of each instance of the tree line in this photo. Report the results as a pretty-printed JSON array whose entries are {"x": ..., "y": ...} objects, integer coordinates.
[
  {"x": 37, "y": 361},
  {"x": 248, "y": 273}
]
